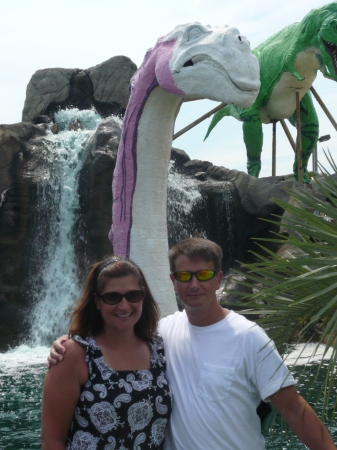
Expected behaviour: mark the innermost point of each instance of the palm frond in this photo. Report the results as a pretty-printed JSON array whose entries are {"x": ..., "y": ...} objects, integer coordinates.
[{"x": 296, "y": 297}]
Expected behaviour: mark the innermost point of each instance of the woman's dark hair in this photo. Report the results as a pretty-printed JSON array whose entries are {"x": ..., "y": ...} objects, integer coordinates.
[{"x": 86, "y": 319}]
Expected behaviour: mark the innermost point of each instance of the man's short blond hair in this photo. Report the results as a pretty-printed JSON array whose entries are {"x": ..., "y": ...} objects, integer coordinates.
[{"x": 196, "y": 248}]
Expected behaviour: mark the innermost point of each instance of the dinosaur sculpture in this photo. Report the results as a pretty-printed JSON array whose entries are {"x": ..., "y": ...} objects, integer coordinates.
[
  {"x": 289, "y": 61},
  {"x": 193, "y": 61}
]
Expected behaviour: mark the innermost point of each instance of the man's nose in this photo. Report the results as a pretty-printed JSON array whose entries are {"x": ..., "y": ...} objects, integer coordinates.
[{"x": 194, "y": 282}]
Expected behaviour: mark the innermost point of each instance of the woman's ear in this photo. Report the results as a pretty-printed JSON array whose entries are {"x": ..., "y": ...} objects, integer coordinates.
[{"x": 96, "y": 299}]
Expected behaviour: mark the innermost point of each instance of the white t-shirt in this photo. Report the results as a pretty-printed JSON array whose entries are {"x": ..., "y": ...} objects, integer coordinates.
[{"x": 218, "y": 375}]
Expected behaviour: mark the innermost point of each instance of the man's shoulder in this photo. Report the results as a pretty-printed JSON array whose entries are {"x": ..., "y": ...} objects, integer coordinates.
[
  {"x": 242, "y": 325},
  {"x": 240, "y": 322}
]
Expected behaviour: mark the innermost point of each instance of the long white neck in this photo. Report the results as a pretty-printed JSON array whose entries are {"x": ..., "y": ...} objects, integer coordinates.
[{"x": 148, "y": 239}]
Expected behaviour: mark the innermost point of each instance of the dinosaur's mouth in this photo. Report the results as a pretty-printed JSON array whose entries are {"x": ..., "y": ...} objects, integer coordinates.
[
  {"x": 247, "y": 85},
  {"x": 332, "y": 51},
  {"x": 188, "y": 63},
  {"x": 197, "y": 59}
]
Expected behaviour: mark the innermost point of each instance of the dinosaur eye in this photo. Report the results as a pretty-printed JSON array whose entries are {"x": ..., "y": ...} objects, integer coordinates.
[
  {"x": 194, "y": 33},
  {"x": 333, "y": 25}
]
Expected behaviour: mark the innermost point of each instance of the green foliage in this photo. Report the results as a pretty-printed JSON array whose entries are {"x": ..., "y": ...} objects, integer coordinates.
[{"x": 295, "y": 297}]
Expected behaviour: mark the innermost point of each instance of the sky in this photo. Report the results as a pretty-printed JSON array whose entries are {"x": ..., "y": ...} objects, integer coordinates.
[{"x": 39, "y": 34}]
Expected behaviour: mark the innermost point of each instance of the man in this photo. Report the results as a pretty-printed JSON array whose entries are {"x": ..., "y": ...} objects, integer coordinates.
[{"x": 220, "y": 365}]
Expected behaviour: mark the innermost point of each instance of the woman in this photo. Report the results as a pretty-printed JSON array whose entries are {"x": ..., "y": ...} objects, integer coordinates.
[{"x": 110, "y": 392}]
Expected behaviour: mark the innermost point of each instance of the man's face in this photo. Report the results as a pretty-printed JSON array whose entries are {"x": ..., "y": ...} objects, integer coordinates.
[{"x": 195, "y": 293}]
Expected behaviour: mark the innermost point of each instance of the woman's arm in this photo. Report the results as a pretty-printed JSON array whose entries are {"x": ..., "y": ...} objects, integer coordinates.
[{"x": 60, "y": 395}]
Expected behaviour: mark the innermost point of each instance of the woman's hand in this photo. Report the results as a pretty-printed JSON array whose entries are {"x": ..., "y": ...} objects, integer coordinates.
[{"x": 57, "y": 351}]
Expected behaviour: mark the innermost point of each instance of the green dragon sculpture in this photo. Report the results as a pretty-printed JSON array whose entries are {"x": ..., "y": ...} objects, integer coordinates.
[{"x": 289, "y": 61}]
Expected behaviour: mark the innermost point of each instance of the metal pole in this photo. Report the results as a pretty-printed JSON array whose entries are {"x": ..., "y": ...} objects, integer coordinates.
[
  {"x": 314, "y": 159},
  {"x": 299, "y": 141},
  {"x": 324, "y": 138},
  {"x": 287, "y": 132},
  {"x": 325, "y": 109},
  {"x": 201, "y": 119},
  {"x": 273, "y": 170}
]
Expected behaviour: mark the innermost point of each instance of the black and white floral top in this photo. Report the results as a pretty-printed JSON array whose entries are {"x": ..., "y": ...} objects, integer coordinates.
[{"x": 125, "y": 410}]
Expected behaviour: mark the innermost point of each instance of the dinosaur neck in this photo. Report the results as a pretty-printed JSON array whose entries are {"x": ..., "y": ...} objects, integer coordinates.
[
  {"x": 148, "y": 238},
  {"x": 140, "y": 187}
]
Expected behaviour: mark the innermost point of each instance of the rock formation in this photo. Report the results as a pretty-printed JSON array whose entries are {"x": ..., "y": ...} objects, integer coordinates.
[
  {"x": 18, "y": 176},
  {"x": 95, "y": 192},
  {"x": 23, "y": 168},
  {"x": 104, "y": 87}
]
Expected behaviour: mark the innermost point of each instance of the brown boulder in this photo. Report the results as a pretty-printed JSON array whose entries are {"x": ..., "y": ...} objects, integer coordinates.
[{"x": 18, "y": 195}]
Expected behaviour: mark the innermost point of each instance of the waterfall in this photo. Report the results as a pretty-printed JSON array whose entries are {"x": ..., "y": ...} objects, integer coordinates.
[
  {"x": 184, "y": 200},
  {"x": 222, "y": 220},
  {"x": 56, "y": 286},
  {"x": 202, "y": 209}
]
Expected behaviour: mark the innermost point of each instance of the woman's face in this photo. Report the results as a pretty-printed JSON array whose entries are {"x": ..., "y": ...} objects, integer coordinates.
[{"x": 123, "y": 316}]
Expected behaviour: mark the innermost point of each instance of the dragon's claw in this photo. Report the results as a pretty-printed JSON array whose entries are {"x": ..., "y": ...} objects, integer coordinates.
[{"x": 253, "y": 166}]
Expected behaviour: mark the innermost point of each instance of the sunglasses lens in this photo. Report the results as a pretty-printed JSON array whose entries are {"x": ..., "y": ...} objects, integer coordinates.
[
  {"x": 134, "y": 296},
  {"x": 205, "y": 275},
  {"x": 182, "y": 276},
  {"x": 112, "y": 298}
]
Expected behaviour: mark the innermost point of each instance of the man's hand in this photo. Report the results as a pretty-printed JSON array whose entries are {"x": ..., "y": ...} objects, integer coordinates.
[{"x": 57, "y": 351}]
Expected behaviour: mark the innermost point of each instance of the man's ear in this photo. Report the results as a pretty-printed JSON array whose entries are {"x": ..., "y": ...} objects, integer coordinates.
[
  {"x": 173, "y": 281},
  {"x": 219, "y": 279}
]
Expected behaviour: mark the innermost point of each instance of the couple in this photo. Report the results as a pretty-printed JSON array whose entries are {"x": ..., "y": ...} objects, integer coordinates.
[{"x": 218, "y": 365}]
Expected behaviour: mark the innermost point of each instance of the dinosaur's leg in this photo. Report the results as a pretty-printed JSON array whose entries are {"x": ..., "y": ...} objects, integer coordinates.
[
  {"x": 253, "y": 138},
  {"x": 309, "y": 134}
]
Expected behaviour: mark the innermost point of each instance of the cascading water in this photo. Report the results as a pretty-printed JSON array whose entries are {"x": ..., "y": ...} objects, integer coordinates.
[
  {"x": 57, "y": 286},
  {"x": 183, "y": 201}
]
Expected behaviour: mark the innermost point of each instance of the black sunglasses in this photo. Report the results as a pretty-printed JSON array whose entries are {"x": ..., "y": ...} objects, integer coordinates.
[
  {"x": 113, "y": 298},
  {"x": 202, "y": 275}
]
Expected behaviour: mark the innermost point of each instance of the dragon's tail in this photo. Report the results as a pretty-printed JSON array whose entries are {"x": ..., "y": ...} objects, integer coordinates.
[{"x": 225, "y": 111}]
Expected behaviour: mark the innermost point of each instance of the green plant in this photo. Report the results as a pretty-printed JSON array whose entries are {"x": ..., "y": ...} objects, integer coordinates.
[{"x": 296, "y": 298}]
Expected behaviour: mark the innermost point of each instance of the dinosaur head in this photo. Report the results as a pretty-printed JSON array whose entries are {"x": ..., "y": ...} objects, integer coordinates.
[
  {"x": 327, "y": 40},
  {"x": 205, "y": 62}
]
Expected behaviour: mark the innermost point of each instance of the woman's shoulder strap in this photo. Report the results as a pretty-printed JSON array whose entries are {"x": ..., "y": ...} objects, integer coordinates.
[
  {"x": 86, "y": 342},
  {"x": 157, "y": 352}
]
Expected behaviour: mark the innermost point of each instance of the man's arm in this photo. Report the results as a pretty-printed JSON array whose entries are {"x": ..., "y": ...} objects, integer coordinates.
[
  {"x": 302, "y": 419},
  {"x": 57, "y": 351}
]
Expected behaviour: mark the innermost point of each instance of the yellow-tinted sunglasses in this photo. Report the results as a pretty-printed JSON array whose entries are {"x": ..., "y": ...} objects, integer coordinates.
[{"x": 202, "y": 275}]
